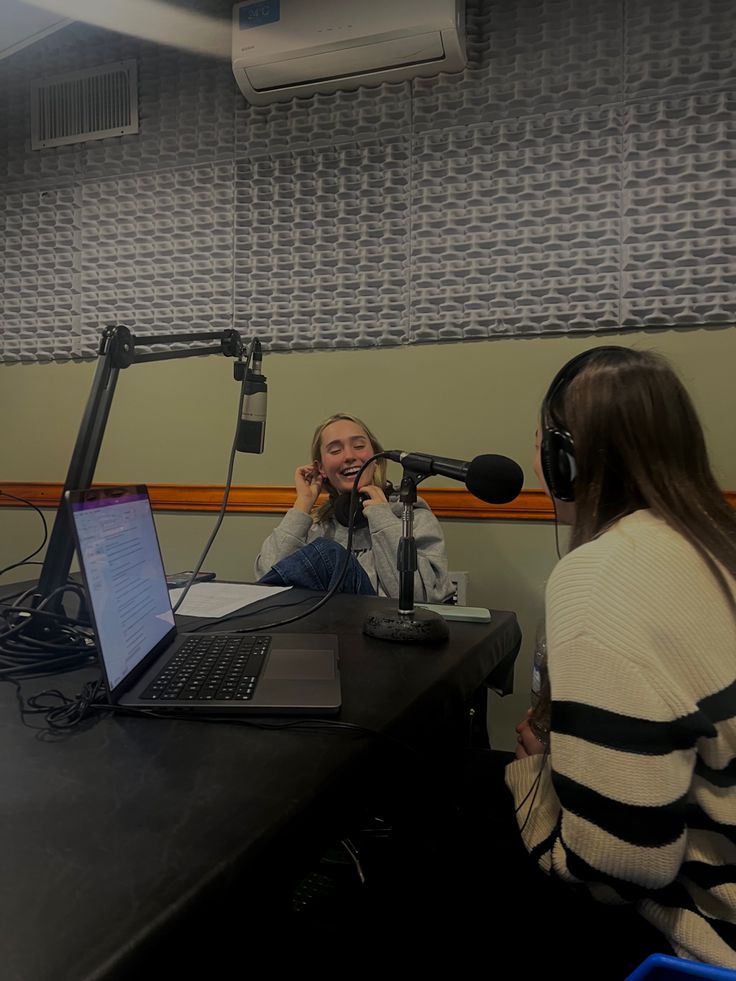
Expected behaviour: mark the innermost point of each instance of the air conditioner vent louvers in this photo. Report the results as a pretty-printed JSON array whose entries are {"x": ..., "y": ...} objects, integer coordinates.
[
  {"x": 284, "y": 49},
  {"x": 86, "y": 105}
]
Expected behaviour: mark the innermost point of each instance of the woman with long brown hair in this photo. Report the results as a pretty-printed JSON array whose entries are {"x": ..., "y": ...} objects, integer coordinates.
[{"x": 632, "y": 799}]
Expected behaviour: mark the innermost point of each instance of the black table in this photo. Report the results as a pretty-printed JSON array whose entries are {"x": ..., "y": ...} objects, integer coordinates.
[{"x": 115, "y": 835}]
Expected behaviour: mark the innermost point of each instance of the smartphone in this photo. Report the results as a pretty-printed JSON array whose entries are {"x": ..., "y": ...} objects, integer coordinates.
[{"x": 178, "y": 580}]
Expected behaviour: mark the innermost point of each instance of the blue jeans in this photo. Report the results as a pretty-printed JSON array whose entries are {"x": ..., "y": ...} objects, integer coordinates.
[{"x": 317, "y": 566}]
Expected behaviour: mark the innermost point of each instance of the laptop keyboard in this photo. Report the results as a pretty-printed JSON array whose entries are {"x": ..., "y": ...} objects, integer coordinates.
[{"x": 215, "y": 667}]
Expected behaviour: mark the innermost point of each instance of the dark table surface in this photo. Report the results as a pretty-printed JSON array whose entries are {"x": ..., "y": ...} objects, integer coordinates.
[{"x": 112, "y": 832}]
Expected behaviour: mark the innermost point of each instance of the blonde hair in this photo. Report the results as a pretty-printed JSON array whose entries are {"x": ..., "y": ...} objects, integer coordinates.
[{"x": 379, "y": 477}]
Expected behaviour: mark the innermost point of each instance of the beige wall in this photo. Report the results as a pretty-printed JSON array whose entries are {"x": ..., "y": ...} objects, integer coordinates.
[{"x": 174, "y": 421}]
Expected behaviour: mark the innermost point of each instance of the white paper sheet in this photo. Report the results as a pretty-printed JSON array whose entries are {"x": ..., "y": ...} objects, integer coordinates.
[{"x": 217, "y": 599}]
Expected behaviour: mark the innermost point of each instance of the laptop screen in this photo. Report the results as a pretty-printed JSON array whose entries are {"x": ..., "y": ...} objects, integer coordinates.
[{"x": 125, "y": 577}]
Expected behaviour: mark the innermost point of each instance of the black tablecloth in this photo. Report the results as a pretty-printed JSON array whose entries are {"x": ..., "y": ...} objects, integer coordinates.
[{"x": 113, "y": 832}]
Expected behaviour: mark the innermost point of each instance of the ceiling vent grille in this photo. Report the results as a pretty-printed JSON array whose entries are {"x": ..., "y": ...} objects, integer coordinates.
[{"x": 85, "y": 105}]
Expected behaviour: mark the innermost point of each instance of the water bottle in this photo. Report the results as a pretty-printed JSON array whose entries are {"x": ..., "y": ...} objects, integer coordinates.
[{"x": 540, "y": 692}]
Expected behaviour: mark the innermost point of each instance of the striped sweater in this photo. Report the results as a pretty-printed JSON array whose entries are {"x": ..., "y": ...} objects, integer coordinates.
[{"x": 637, "y": 797}]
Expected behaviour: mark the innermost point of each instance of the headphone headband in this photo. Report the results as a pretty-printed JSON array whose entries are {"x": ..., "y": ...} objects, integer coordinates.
[
  {"x": 558, "y": 447},
  {"x": 569, "y": 371}
]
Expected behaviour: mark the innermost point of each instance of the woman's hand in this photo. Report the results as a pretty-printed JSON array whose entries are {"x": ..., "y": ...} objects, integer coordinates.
[
  {"x": 527, "y": 743},
  {"x": 308, "y": 482},
  {"x": 375, "y": 495}
]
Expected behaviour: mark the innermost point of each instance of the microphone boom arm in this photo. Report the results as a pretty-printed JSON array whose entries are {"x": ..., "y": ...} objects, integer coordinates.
[{"x": 116, "y": 351}]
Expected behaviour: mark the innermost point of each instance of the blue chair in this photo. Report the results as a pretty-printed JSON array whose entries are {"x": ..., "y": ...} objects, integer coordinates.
[{"x": 663, "y": 967}]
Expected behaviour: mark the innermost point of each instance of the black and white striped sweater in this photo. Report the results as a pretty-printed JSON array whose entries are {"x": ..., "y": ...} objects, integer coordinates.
[{"x": 637, "y": 798}]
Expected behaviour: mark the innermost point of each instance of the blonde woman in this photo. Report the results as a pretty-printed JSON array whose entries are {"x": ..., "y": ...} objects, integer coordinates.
[{"x": 340, "y": 447}]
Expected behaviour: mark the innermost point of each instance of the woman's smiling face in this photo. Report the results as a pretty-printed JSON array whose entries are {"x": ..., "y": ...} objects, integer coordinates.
[{"x": 344, "y": 448}]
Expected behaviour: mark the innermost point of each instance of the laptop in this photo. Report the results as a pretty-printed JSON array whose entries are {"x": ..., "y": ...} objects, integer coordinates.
[{"x": 148, "y": 663}]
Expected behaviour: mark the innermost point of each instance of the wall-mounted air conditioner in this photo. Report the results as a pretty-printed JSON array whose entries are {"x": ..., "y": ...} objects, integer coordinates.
[{"x": 288, "y": 48}]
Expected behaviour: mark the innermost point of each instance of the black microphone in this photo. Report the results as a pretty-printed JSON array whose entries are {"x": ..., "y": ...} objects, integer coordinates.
[
  {"x": 489, "y": 477},
  {"x": 252, "y": 425}
]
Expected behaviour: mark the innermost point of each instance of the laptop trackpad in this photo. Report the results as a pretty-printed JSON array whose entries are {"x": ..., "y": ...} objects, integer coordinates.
[{"x": 301, "y": 665}]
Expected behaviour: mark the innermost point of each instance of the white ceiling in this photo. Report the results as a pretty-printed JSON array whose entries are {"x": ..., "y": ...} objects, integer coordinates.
[
  {"x": 22, "y": 24},
  {"x": 162, "y": 21}
]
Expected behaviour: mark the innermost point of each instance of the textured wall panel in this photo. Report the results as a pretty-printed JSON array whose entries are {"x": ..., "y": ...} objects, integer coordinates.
[
  {"x": 39, "y": 265},
  {"x": 576, "y": 176},
  {"x": 679, "y": 226},
  {"x": 20, "y": 167},
  {"x": 515, "y": 227},
  {"x": 185, "y": 119},
  {"x": 675, "y": 47},
  {"x": 186, "y": 106},
  {"x": 157, "y": 251},
  {"x": 321, "y": 247},
  {"x": 323, "y": 120},
  {"x": 527, "y": 56}
]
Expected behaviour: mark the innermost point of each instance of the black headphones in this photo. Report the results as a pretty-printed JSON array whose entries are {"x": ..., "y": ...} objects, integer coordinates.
[
  {"x": 557, "y": 449},
  {"x": 341, "y": 508}
]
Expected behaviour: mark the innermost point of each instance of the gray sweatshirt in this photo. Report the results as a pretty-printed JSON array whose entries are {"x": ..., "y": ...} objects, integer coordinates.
[{"x": 375, "y": 547}]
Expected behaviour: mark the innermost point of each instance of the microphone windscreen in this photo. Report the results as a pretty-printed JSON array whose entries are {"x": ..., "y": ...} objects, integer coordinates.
[
  {"x": 341, "y": 507},
  {"x": 494, "y": 479}
]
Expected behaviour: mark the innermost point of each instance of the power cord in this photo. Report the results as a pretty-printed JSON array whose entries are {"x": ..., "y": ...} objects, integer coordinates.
[
  {"x": 60, "y": 711},
  {"x": 63, "y": 712},
  {"x": 251, "y": 722},
  {"x": 26, "y": 560},
  {"x": 24, "y": 652}
]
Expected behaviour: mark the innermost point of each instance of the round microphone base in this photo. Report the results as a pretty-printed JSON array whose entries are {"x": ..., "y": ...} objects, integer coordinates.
[{"x": 417, "y": 627}]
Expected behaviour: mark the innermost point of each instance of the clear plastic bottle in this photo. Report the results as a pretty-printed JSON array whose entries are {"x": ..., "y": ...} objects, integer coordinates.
[{"x": 540, "y": 692}]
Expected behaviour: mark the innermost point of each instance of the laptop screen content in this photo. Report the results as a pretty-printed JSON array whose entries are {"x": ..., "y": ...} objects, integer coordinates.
[{"x": 125, "y": 578}]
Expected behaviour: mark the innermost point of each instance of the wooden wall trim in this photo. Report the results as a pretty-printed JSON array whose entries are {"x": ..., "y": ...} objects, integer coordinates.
[{"x": 446, "y": 502}]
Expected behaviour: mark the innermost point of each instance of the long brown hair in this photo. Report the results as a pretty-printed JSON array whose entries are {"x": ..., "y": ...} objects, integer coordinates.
[
  {"x": 324, "y": 512},
  {"x": 639, "y": 444}
]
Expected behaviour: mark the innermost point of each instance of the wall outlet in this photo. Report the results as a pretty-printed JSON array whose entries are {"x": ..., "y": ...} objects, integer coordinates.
[{"x": 460, "y": 581}]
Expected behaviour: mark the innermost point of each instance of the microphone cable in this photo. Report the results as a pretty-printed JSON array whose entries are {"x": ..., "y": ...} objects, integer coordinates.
[
  {"x": 557, "y": 528},
  {"x": 228, "y": 484},
  {"x": 62, "y": 713},
  {"x": 22, "y": 654},
  {"x": 27, "y": 559}
]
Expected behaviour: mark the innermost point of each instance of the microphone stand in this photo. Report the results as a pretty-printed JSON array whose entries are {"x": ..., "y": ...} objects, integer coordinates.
[
  {"x": 117, "y": 351},
  {"x": 407, "y": 625}
]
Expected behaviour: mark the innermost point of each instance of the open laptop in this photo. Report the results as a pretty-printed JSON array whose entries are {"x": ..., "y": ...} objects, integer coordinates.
[{"x": 147, "y": 662}]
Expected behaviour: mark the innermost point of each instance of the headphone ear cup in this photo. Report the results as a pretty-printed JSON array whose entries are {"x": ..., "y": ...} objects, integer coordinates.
[
  {"x": 341, "y": 505},
  {"x": 557, "y": 454}
]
